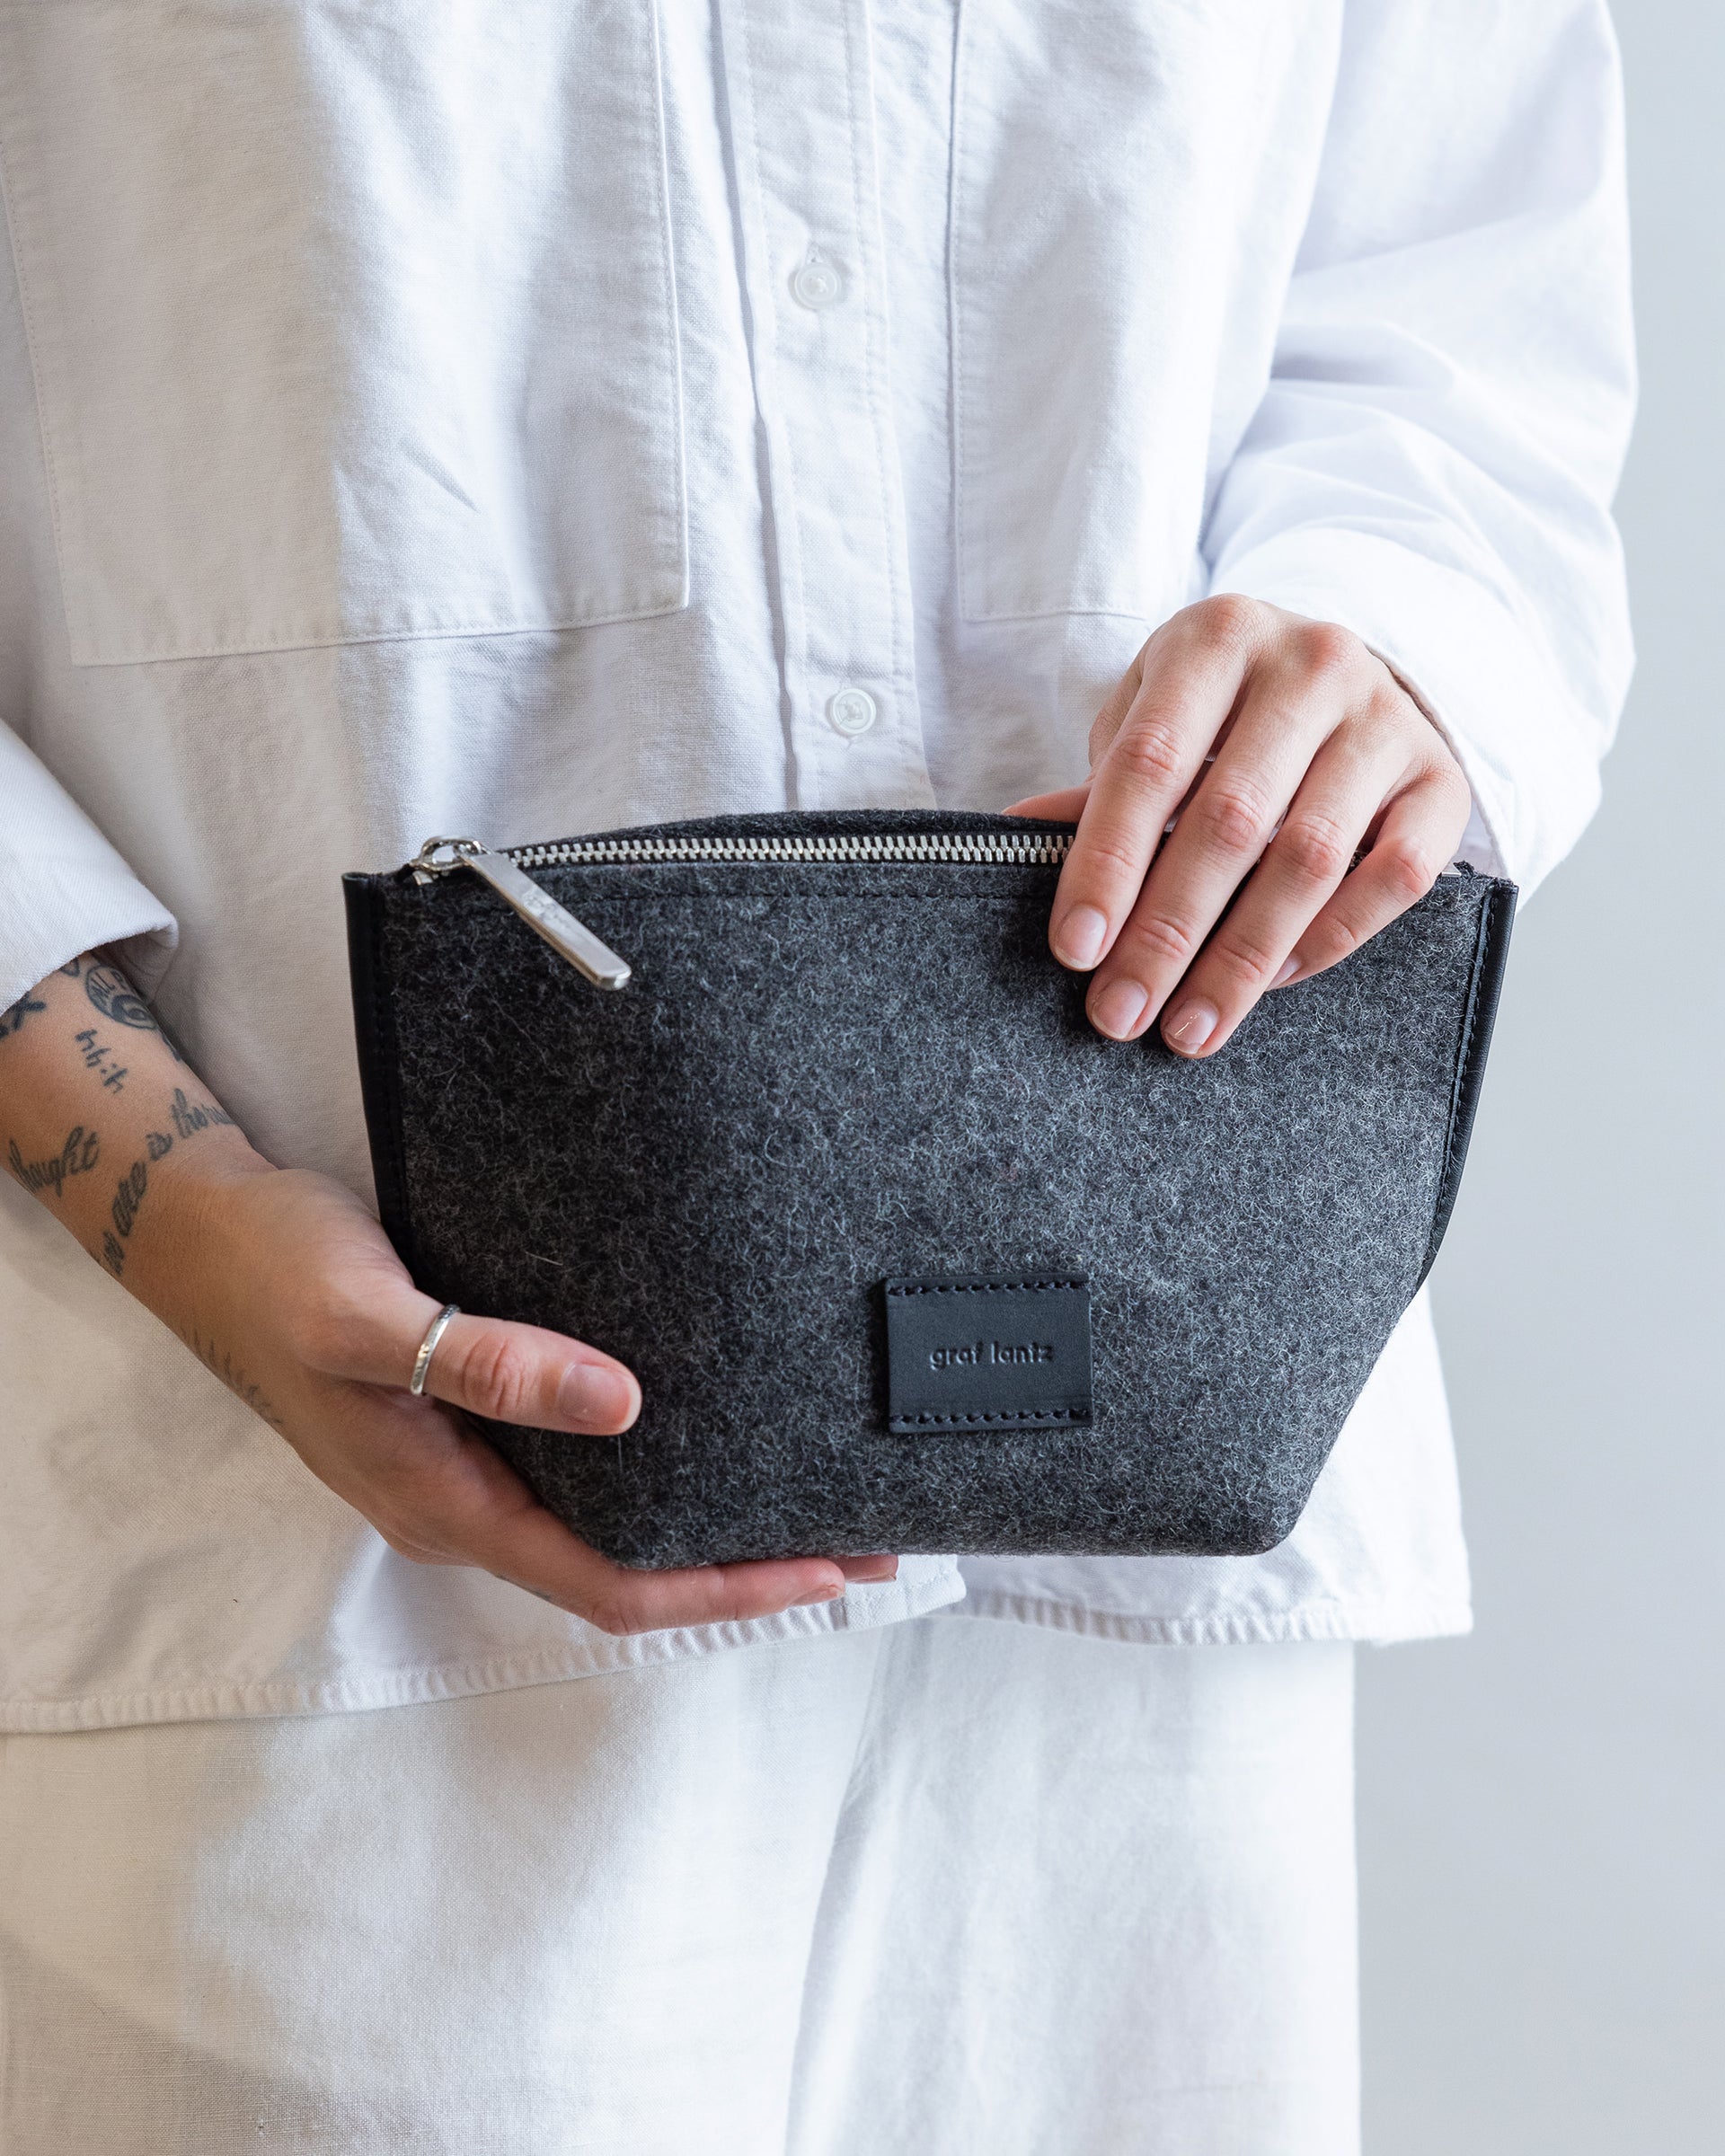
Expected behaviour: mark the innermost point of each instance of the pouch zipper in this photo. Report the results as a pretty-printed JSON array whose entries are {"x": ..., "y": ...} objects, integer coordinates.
[{"x": 595, "y": 961}]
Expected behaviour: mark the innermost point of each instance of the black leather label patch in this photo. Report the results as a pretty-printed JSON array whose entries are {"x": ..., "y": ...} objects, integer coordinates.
[{"x": 978, "y": 1355}]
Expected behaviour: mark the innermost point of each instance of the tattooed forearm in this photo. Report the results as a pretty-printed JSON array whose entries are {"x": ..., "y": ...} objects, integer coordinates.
[
  {"x": 192, "y": 1115},
  {"x": 14, "y": 1015},
  {"x": 128, "y": 1196},
  {"x": 220, "y": 1364},
  {"x": 99, "y": 1057},
  {"x": 188, "y": 1118},
  {"x": 77, "y": 1156},
  {"x": 115, "y": 997}
]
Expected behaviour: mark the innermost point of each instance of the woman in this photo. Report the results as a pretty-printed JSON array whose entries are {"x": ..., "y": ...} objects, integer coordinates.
[{"x": 530, "y": 422}]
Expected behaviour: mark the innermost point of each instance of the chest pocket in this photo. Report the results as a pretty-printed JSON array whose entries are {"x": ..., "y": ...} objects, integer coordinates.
[
  {"x": 351, "y": 319},
  {"x": 1101, "y": 151}
]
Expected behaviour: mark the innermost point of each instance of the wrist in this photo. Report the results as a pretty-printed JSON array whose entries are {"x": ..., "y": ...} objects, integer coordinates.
[{"x": 153, "y": 1229}]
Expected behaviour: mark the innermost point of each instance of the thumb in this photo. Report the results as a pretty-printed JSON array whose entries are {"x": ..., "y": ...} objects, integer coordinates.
[{"x": 493, "y": 1367}]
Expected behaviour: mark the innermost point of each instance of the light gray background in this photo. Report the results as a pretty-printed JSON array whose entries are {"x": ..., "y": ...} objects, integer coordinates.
[{"x": 1542, "y": 1807}]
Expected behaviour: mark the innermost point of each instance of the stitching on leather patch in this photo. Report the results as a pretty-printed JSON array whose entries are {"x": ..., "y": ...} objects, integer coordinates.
[
  {"x": 978, "y": 1353},
  {"x": 979, "y": 1287}
]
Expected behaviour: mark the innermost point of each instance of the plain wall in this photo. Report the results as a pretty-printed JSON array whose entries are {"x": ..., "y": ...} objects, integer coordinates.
[{"x": 1543, "y": 1806}]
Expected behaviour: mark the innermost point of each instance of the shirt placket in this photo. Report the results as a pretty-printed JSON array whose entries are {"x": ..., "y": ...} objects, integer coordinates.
[{"x": 798, "y": 87}]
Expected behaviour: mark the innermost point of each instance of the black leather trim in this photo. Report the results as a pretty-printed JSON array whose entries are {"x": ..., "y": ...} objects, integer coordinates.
[
  {"x": 1490, "y": 956},
  {"x": 379, "y": 1054}
]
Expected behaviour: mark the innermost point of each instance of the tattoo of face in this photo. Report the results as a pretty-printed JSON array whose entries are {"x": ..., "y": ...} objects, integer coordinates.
[
  {"x": 115, "y": 997},
  {"x": 77, "y": 1156},
  {"x": 14, "y": 1015}
]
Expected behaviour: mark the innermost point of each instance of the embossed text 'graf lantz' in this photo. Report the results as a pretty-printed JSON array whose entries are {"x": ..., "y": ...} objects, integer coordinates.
[{"x": 990, "y": 1351}]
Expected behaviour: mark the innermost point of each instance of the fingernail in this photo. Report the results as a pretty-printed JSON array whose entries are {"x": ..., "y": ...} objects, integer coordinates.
[
  {"x": 1190, "y": 1027},
  {"x": 818, "y": 1595},
  {"x": 592, "y": 1392},
  {"x": 867, "y": 1569},
  {"x": 1290, "y": 967},
  {"x": 1117, "y": 1008},
  {"x": 1078, "y": 937}
]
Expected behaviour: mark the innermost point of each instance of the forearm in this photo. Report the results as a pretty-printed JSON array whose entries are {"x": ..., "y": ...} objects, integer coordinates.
[
  {"x": 103, "y": 1123},
  {"x": 284, "y": 1284}
]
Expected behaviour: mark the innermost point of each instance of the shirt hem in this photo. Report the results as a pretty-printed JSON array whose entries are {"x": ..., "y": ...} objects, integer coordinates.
[
  {"x": 1377, "y": 1624},
  {"x": 597, "y": 1655}
]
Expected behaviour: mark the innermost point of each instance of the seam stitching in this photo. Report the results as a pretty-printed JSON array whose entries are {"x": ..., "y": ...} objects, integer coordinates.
[
  {"x": 906, "y": 1422},
  {"x": 983, "y": 1288}
]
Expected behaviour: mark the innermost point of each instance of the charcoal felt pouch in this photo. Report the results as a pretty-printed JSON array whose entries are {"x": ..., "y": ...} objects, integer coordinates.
[{"x": 904, "y": 1256}]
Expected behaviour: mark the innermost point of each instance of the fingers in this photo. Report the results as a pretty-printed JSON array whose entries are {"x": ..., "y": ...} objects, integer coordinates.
[
  {"x": 443, "y": 1497},
  {"x": 335, "y": 1340},
  {"x": 1066, "y": 807},
  {"x": 1298, "y": 697},
  {"x": 528, "y": 1544},
  {"x": 1316, "y": 745},
  {"x": 521, "y": 1373},
  {"x": 438, "y": 1493},
  {"x": 1190, "y": 672},
  {"x": 489, "y": 1366},
  {"x": 1305, "y": 868},
  {"x": 1416, "y": 839}
]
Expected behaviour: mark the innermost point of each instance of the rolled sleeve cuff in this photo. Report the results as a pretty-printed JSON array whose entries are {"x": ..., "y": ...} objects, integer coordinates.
[
  {"x": 1529, "y": 752},
  {"x": 55, "y": 907}
]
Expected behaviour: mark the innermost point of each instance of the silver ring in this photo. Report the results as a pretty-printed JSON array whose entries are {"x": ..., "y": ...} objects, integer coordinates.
[{"x": 428, "y": 1347}]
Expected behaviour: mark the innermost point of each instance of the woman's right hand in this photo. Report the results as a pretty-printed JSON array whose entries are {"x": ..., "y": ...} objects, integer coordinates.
[
  {"x": 285, "y": 1285},
  {"x": 288, "y": 1289}
]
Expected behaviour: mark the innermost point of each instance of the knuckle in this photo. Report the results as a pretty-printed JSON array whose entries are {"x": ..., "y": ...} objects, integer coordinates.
[
  {"x": 1314, "y": 848},
  {"x": 1230, "y": 617},
  {"x": 1148, "y": 751},
  {"x": 1330, "y": 939},
  {"x": 1328, "y": 651},
  {"x": 498, "y": 1378},
  {"x": 1241, "y": 963},
  {"x": 1112, "y": 854},
  {"x": 1160, "y": 939},
  {"x": 1388, "y": 704},
  {"x": 1408, "y": 871},
  {"x": 1232, "y": 818}
]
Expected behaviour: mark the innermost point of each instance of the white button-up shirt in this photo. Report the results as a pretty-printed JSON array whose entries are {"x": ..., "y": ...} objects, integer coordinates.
[{"x": 529, "y": 420}]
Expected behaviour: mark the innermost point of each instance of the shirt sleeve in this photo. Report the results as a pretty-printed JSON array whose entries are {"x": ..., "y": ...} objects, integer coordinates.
[
  {"x": 1454, "y": 381},
  {"x": 63, "y": 887}
]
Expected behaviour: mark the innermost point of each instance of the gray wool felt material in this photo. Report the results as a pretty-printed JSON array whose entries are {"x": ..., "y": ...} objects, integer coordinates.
[{"x": 825, "y": 1077}]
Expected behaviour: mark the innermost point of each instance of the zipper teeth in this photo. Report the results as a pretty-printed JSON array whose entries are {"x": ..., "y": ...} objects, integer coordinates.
[{"x": 1035, "y": 849}]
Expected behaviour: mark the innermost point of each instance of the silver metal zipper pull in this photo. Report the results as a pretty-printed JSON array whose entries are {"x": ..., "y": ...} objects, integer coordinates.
[{"x": 593, "y": 960}]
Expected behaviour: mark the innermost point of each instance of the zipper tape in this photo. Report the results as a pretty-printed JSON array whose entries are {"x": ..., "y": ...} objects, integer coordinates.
[
  {"x": 595, "y": 961},
  {"x": 1034, "y": 849}
]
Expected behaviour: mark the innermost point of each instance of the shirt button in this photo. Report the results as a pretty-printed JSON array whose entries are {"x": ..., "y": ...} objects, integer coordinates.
[
  {"x": 852, "y": 711},
  {"x": 814, "y": 283}
]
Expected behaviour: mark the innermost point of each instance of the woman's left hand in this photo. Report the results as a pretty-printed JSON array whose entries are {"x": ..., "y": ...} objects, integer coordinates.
[{"x": 1318, "y": 752}]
